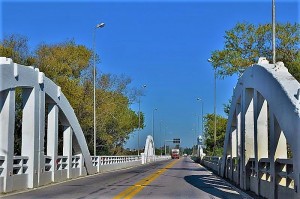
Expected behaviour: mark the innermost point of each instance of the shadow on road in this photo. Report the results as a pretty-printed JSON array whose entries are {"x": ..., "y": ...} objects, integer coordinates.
[
  {"x": 212, "y": 185},
  {"x": 188, "y": 169}
]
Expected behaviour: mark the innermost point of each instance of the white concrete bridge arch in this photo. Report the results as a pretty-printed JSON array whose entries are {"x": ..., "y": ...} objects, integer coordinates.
[
  {"x": 33, "y": 168},
  {"x": 148, "y": 155},
  {"x": 264, "y": 120},
  {"x": 37, "y": 92}
]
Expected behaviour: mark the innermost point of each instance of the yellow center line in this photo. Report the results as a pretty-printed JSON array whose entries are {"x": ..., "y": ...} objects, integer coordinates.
[{"x": 131, "y": 191}]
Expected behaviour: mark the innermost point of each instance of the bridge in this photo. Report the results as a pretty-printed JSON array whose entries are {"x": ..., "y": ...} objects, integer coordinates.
[{"x": 261, "y": 150}]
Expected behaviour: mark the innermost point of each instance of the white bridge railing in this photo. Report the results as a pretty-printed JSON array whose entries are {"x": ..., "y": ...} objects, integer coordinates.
[
  {"x": 108, "y": 163},
  {"x": 259, "y": 177},
  {"x": 65, "y": 168}
]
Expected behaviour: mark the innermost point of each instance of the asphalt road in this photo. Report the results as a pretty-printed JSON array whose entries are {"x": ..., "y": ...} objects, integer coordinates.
[{"x": 167, "y": 179}]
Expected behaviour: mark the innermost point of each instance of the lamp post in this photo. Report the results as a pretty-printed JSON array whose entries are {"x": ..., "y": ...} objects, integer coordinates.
[
  {"x": 273, "y": 32},
  {"x": 215, "y": 91},
  {"x": 194, "y": 130},
  {"x": 165, "y": 140},
  {"x": 153, "y": 129},
  {"x": 199, "y": 99},
  {"x": 144, "y": 86},
  {"x": 100, "y": 25},
  {"x": 160, "y": 140}
]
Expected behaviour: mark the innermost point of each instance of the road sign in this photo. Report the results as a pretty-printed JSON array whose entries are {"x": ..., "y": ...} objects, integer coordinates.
[{"x": 176, "y": 140}]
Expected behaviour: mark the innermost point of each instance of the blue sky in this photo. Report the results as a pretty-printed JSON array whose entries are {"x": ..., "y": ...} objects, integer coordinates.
[{"x": 163, "y": 44}]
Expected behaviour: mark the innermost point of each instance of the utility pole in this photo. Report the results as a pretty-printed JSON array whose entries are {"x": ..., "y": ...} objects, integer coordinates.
[
  {"x": 144, "y": 86},
  {"x": 273, "y": 32},
  {"x": 153, "y": 129},
  {"x": 165, "y": 141},
  {"x": 215, "y": 101},
  {"x": 215, "y": 122},
  {"x": 100, "y": 25}
]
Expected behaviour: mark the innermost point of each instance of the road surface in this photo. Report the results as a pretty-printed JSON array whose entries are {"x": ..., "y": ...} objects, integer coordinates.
[{"x": 167, "y": 179}]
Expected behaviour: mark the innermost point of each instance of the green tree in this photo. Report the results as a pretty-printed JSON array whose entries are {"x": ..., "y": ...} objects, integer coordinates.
[
  {"x": 16, "y": 47},
  {"x": 68, "y": 65},
  {"x": 188, "y": 151},
  {"x": 209, "y": 120},
  {"x": 245, "y": 43}
]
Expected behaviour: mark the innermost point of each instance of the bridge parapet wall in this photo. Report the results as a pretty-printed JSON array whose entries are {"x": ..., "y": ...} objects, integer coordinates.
[
  {"x": 213, "y": 163},
  {"x": 260, "y": 180},
  {"x": 109, "y": 163}
]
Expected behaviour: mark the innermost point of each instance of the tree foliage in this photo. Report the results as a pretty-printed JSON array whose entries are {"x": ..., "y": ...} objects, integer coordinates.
[
  {"x": 209, "y": 120},
  {"x": 245, "y": 43},
  {"x": 16, "y": 47},
  {"x": 68, "y": 65}
]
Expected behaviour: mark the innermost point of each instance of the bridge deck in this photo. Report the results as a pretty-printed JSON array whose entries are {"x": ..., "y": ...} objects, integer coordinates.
[{"x": 167, "y": 179}]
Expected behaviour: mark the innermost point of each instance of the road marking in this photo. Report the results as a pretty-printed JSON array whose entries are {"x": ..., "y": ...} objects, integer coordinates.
[
  {"x": 131, "y": 191},
  {"x": 62, "y": 182}
]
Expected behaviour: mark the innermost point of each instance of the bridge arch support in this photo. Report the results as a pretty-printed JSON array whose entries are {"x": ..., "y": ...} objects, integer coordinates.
[
  {"x": 33, "y": 167},
  {"x": 149, "y": 150},
  {"x": 262, "y": 142}
]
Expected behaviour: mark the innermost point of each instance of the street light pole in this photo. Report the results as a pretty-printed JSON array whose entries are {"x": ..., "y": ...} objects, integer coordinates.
[
  {"x": 215, "y": 91},
  {"x": 144, "y": 86},
  {"x": 273, "y": 32},
  {"x": 165, "y": 140},
  {"x": 153, "y": 129},
  {"x": 201, "y": 114},
  {"x": 202, "y": 118},
  {"x": 100, "y": 25},
  {"x": 194, "y": 140},
  {"x": 215, "y": 102}
]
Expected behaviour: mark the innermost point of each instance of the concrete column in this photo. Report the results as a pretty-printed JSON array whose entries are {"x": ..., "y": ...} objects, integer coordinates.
[
  {"x": 234, "y": 136},
  {"x": 233, "y": 149},
  {"x": 52, "y": 136},
  {"x": 228, "y": 154},
  {"x": 278, "y": 149},
  {"x": 30, "y": 133},
  {"x": 239, "y": 140},
  {"x": 77, "y": 152},
  {"x": 234, "y": 143},
  {"x": 248, "y": 112},
  {"x": 260, "y": 133},
  {"x": 67, "y": 148},
  {"x": 41, "y": 131},
  {"x": 7, "y": 128}
]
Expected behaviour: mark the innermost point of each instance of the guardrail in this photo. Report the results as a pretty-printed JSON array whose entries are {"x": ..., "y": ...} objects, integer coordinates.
[
  {"x": 259, "y": 178},
  {"x": 212, "y": 162},
  {"x": 19, "y": 172},
  {"x": 104, "y": 160},
  {"x": 108, "y": 163},
  {"x": 63, "y": 168},
  {"x": 20, "y": 165}
]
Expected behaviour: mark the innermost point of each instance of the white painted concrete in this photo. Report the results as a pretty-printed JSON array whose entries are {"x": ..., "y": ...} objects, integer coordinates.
[{"x": 264, "y": 117}]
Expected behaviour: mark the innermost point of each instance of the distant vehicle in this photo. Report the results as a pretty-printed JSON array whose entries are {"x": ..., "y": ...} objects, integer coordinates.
[
  {"x": 185, "y": 155},
  {"x": 175, "y": 154}
]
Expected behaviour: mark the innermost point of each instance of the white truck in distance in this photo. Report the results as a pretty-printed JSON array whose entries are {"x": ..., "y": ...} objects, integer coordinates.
[{"x": 175, "y": 154}]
